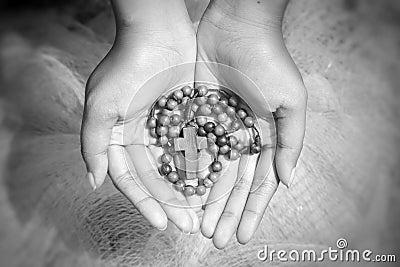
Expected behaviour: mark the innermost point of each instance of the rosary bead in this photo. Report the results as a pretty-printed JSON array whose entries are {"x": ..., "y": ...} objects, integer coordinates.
[
  {"x": 207, "y": 183},
  {"x": 178, "y": 94},
  {"x": 172, "y": 104},
  {"x": 221, "y": 140},
  {"x": 166, "y": 168},
  {"x": 222, "y": 117},
  {"x": 248, "y": 122},
  {"x": 205, "y": 109},
  {"x": 224, "y": 149},
  {"x": 212, "y": 137},
  {"x": 202, "y": 90},
  {"x": 230, "y": 111},
  {"x": 164, "y": 120},
  {"x": 209, "y": 127},
  {"x": 153, "y": 133},
  {"x": 195, "y": 107},
  {"x": 201, "y": 120},
  {"x": 257, "y": 140},
  {"x": 173, "y": 131},
  {"x": 201, "y": 190},
  {"x": 187, "y": 90},
  {"x": 239, "y": 146},
  {"x": 213, "y": 99},
  {"x": 162, "y": 130},
  {"x": 173, "y": 176},
  {"x": 213, "y": 176},
  {"x": 213, "y": 148},
  {"x": 175, "y": 119},
  {"x": 223, "y": 101},
  {"x": 179, "y": 185},
  {"x": 151, "y": 123},
  {"x": 242, "y": 114},
  {"x": 201, "y": 131},
  {"x": 219, "y": 130},
  {"x": 233, "y": 101},
  {"x": 189, "y": 190},
  {"x": 166, "y": 158},
  {"x": 232, "y": 140},
  {"x": 234, "y": 154},
  {"x": 217, "y": 109},
  {"x": 163, "y": 140},
  {"x": 200, "y": 100},
  {"x": 235, "y": 125},
  {"x": 254, "y": 148},
  {"x": 216, "y": 166},
  {"x": 162, "y": 101}
]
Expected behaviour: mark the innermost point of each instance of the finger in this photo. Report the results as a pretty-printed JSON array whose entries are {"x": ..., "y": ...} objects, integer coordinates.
[
  {"x": 158, "y": 188},
  {"x": 259, "y": 197},
  {"x": 290, "y": 122},
  {"x": 230, "y": 218},
  {"x": 218, "y": 196},
  {"x": 158, "y": 152},
  {"x": 125, "y": 179},
  {"x": 97, "y": 125}
]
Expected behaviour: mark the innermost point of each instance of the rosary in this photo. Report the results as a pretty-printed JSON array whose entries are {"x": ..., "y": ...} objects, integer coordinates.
[{"x": 189, "y": 120}]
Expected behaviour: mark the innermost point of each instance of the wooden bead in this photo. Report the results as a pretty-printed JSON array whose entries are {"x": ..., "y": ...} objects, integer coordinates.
[
  {"x": 213, "y": 176},
  {"x": 219, "y": 130},
  {"x": 201, "y": 100},
  {"x": 175, "y": 119},
  {"x": 189, "y": 191},
  {"x": 234, "y": 154},
  {"x": 153, "y": 133},
  {"x": 212, "y": 137},
  {"x": 248, "y": 122},
  {"x": 151, "y": 123},
  {"x": 205, "y": 109},
  {"x": 162, "y": 102},
  {"x": 216, "y": 166},
  {"x": 231, "y": 111},
  {"x": 172, "y": 104},
  {"x": 164, "y": 120},
  {"x": 179, "y": 185},
  {"x": 221, "y": 140},
  {"x": 173, "y": 131},
  {"x": 165, "y": 169},
  {"x": 222, "y": 117},
  {"x": 209, "y": 127},
  {"x": 255, "y": 148},
  {"x": 202, "y": 90},
  {"x": 208, "y": 183},
  {"x": 217, "y": 109},
  {"x": 173, "y": 177},
  {"x": 213, "y": 99},
  {"x": 166, "y": 158},
  {"x": 201, "y": 120},
  {"x": 224, "y": 149},
  {"x": 163, "y": 140},
  {"x": 195, "y": 107},
  {"x": 235, "y": 125},
  {"x": 162, "y": 130},
  {"x": 232, "y": 140},
  {"x": 242, "y": 114},
  {"x": 213, "y": 148},
  {"x": 201, "y": 190},
  {"x": 233, "y": 101},
  {"x": 201, "y": 131},
  {"x": 178, "y": 94},
  {"x": 187, "y": 90}
]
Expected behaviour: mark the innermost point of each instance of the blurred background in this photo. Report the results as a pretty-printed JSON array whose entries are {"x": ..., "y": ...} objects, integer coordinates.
[{"x": 348, "y": 180}]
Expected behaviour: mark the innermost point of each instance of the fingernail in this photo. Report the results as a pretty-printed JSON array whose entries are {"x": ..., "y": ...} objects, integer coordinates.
[
  {"x": 186, "y": 233},
  {"x": 292, "y": 174},
  {"x": 163, "y": 229},
  {"x": 90, "y": 177}
]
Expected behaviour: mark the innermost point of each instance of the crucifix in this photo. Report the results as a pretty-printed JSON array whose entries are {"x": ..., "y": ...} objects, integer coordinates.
[{"x": 190, "y": 144}]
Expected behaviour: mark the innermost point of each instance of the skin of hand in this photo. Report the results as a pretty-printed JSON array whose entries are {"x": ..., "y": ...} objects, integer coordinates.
[
  {"x": 246, "y": 36},
  {"x": 151, "y": 36}
]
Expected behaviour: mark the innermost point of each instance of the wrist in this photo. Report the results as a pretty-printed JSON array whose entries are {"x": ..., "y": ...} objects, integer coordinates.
[{"x": 260, "y": 13}]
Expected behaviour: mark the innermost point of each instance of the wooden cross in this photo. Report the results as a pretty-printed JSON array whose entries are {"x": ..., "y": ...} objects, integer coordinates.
[{"x": 190, "y": 144}]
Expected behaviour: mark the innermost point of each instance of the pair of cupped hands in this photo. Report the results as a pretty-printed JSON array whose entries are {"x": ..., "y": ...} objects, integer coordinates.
[{"x": 157, "y": 48}]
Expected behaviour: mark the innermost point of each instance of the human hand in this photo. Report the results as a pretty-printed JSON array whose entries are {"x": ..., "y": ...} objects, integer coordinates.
[
  {"x": 240, "y": 45},
  {"x": 151, "y": 36}
]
